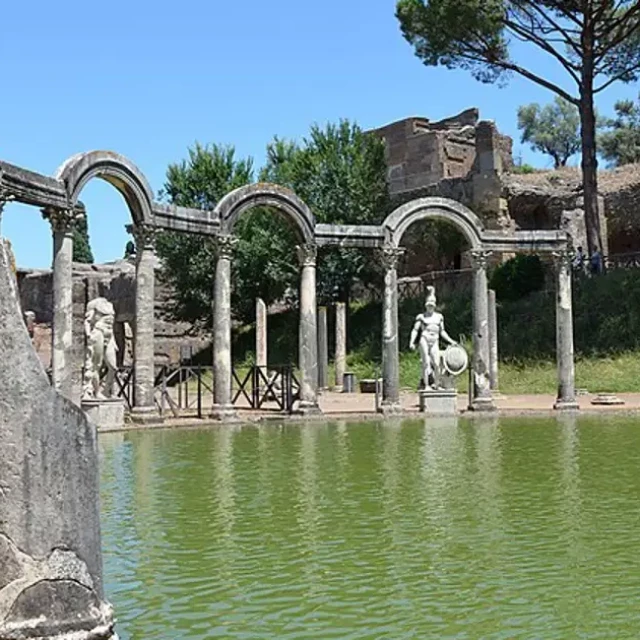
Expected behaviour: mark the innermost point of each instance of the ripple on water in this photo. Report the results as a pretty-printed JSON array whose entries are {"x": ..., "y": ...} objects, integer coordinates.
[{"x": 440, "y": 529}]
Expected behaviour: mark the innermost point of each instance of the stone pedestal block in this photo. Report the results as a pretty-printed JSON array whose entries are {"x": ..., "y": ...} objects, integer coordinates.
[
  {"x": 441, "y": 402},
  {"x": 105, "y": 414}
]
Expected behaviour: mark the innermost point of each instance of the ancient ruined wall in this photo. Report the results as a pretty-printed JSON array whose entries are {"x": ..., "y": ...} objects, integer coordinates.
[
  {"x": 459, "y": 157},
  {"x": 621, "y": 192},
  {"x": 470, "y": 161},
  {"x": 421, "y": 153},
  {"x": 116, "y": 282}
]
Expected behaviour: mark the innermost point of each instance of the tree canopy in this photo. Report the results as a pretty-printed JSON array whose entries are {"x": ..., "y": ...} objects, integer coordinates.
[
  {"x": 81, "y": 244},
  {"x": 338, "y": 171},
  {"x": 553, "y": 129},
  {"x": 593, "y": 43},
  {"x": 620, "y": 140}
]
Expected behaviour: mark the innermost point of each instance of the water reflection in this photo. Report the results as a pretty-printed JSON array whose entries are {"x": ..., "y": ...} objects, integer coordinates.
[{"x": 444, "y": 528}]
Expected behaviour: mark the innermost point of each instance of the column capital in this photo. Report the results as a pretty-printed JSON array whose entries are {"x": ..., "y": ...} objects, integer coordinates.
[
  {"x": 390, "y": 255},
  {"x": 61, "y": 220},
  {"x": 144, "y": 235},
  {"x": 479, "y": 258},
  {"x": 226, "y": 245},
  {"x": 307, "y": 255}
]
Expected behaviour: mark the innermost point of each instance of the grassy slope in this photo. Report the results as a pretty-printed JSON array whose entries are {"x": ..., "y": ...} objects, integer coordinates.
[{"x": 617, "y": 374}]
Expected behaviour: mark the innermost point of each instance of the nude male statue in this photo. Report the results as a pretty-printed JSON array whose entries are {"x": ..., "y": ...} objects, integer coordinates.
[
  {"x": 101, "y": 349},
  {"x": 428, "y": 328}
]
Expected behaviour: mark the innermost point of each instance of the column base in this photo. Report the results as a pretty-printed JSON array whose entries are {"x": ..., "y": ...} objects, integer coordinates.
[
  {"x": 566, "y": 405},
  {"x": 388, "y": 408},
  {"x": 482, "y": 404},
  {"x": 224, "y": 413},
  {"x": 145, "y": 415},
  {"x": 307, "y": 408}
]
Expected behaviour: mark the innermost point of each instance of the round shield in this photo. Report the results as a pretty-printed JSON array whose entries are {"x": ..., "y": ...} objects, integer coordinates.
[{"x": 455, "y": 359}]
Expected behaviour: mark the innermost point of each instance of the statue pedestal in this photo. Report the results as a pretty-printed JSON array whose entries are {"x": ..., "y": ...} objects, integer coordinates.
[
  {"x": 105, "y": 414},
  {"x": 441, "y": 402}
]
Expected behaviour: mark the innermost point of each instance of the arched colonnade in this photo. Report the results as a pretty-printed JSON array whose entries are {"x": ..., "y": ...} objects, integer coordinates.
[{"x": 58, "y": 197}]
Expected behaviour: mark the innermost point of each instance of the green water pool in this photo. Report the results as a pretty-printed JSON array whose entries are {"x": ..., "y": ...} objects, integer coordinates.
[{"x": 437, "y": 528}]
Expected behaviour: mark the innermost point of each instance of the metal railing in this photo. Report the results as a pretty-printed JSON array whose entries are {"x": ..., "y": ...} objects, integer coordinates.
[
  {"x": 262, "y": 386},
  {"x": 188, "y": 389}
]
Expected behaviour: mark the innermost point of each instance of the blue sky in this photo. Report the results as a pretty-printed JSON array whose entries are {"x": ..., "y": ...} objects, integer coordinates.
[{"x": 148, "y": 80}]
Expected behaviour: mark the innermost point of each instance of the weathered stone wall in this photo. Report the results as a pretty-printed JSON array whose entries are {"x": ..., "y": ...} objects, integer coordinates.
[
  {"x": 470, "y": 161},
  {"x": 421, "y": 153},
  {"x": 116, "y": 282},
  {"x": 460, "y": 158}
]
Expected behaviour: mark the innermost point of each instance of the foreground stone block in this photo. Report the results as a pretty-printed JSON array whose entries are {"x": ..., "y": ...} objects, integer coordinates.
[{"x": 50, "y": 556}]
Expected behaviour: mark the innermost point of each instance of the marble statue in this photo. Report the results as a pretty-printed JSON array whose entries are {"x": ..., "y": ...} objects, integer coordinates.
[
  {"x": 427, "y": 331},
  {"x": 101, "y": 350}
]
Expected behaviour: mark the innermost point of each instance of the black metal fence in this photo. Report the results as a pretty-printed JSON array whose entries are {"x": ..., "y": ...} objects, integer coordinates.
[
  {"x": 187, "y": 390},
  {"x": 264, "y": 388}
]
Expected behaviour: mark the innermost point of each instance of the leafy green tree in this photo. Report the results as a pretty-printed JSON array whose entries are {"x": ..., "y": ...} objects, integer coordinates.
[
  {"x": 81, "y": 245},
  {"x": 553, "y": 129},
  {"x": 340, "y": 173},
  {"x": 262, "y": 263},
  {"x": 199, "y": 181},
  {"x": 620, "y": 143},
  {"x": 518, "y": 277},
  {"x": 129, "y": 249},
  {"x": 593, "y": 42}
]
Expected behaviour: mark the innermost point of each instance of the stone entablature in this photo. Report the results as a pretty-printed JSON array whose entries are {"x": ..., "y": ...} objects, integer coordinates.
[{"x": 485, "y": 238}]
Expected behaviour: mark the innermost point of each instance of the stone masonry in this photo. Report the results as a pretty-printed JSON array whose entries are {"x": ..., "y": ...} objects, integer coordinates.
[
  {"x": 116, "y": 282},
  {"x": 470, "y": 161}
]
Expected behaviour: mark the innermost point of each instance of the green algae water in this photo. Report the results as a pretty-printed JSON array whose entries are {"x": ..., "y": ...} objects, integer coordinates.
[{"x": 501, "y": 528}]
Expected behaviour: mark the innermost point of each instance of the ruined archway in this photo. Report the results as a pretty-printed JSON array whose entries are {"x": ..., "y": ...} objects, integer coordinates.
[
  {"x": 284, "y": 202},
  {"x": 272, "y": 196},
  {"x": 399, "y": 220},
  {"x": 120, "y": 172},
  {"x": 115, "y": 169}
]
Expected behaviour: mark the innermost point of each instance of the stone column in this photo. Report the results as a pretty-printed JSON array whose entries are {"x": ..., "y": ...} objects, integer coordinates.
[
  {"x": 61, "y": 221},
  {"x": 482, "y": 400},
  {"x": 493, "y": 341},
  {"x": 261, "y": 333},
  {"x": 308, "y": 338},
  {"x": 341, "y": 343},
  {"x": 222, "y": 372},
  {"x": 564, "y": 333},
  {"x": 390, "y": 356},
  {"x": 144, "y": 353},
  {"x": 323, "y": 349}
]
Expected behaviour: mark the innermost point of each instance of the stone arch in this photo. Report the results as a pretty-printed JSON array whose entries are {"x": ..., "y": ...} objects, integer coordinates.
[
  {"x": 399, "y": 220},
  {"x": 115, "y": 169},
  {"x": 234, "y": 204}
]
